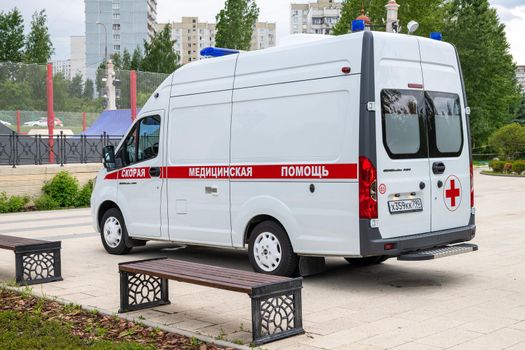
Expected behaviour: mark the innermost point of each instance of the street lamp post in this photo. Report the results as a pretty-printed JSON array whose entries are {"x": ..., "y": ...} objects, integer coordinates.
[{"x": 110, "y": 74}]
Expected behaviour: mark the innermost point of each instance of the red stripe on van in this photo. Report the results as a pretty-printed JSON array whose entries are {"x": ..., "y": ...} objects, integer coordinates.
[
  {"x": 292, "y": 171},
  {"x": 288, "y": 171},
  {"x": 129, "y": 173}
]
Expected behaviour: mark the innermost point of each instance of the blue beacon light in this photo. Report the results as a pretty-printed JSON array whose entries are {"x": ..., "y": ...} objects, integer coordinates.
[
  {"x": 358, "y": 25},
  {"x": 436, "y": 36},
  {"x": 217, "y": 52}
]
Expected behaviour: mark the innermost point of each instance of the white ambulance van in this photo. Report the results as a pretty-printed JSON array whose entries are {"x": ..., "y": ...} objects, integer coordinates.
[{"x": 354, "y": 146}]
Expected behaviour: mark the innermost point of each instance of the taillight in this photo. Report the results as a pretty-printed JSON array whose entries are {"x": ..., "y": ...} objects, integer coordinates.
[
  {"x": 367, "y": 189},
  {"x": 471, "y": 185}
]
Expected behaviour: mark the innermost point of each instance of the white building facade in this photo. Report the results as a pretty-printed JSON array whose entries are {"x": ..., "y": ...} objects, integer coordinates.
[
  {"x": 77, "y": 55},
  {"x": 62, "y": 67},
  {"x": 520, "y": 76},
  {"x": 191, "y": 36},
  {"x": 317, "y": 17}
]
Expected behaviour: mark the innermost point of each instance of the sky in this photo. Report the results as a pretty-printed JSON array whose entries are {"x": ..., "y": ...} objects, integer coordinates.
[{"x": 66, "y": 18}]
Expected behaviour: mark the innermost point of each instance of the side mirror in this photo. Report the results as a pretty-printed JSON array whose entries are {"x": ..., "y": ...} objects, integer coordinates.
[{"x": 108, "y": 154}]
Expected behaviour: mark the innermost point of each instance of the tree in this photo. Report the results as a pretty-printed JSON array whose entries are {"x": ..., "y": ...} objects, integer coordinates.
[
  {"x": 488, "y": 69},
  {"x": 428, "y": 13},
  {"x": 520, "y": 114},
  {"x": 509, "y": 140},
  {"x": 75, "y": 87},
  {"x": 126, "y": 60},
  {"x": 159, "y": 54},
  {"x": 11, "y": 36},
  {"x": 235, "y": 24},
  {"x": 136, "y": 59},
  {"x": 117, "y": 60},
  {"x": 88, "y": 89},
  {"x": 38, "y": 43}
]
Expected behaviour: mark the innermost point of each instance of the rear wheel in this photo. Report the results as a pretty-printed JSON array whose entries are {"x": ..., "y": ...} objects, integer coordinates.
[
  {"x": 270, "y": 250},
  {"x": 366, "y": 261},
  {"x": 114, "y": 233}
]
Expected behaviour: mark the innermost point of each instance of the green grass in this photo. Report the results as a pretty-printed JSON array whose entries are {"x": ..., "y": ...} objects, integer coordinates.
[{"x": 30, "y": 331}]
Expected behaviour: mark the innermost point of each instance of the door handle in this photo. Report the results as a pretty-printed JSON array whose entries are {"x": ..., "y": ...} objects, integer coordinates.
[
  {"x": 438, "y": 168},
  {"x": 211, "y": 190},
  {"x": 154, "y": 172}
]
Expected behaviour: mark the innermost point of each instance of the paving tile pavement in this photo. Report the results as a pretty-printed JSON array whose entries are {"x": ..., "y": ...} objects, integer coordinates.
[{"x": 471, "y": 301}]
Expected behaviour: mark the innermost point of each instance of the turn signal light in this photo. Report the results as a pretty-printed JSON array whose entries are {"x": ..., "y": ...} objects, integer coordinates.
[{"x": 367, "y": 189}]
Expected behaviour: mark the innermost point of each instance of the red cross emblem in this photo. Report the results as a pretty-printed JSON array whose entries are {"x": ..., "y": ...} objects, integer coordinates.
[{"x": 452, "y": 193}]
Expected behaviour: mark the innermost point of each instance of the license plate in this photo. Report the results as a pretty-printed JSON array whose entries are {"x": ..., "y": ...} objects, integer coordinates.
[{"x": 405, "y": 206}]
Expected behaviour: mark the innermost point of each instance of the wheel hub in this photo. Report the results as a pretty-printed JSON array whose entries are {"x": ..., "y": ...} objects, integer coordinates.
[{"x": 267, "y": 251}]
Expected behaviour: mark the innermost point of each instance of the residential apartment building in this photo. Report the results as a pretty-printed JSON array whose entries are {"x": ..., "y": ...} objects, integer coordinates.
[
  {"x": 315, "y": 17},
  {"x": 520, "y": 75},
  {"x": 263, "y": 36},
  {"x": 122, "y": 24},
  {"x": 191, "y": 36},
  {"x": 77, "y": 54},
  {"x": 63, "y": 67}
]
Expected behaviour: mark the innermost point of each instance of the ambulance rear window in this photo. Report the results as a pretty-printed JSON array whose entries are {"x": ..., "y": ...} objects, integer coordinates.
[
  {"x": 403, "y": 123},
  {"x": 445, "y": 126}
]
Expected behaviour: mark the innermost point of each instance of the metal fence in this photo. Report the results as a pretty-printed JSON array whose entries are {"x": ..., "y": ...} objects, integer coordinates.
[{"x": 61, "y": 149}]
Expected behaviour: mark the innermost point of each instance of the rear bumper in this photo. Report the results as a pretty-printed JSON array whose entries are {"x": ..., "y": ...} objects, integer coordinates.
[{"x": 372, "y": 244}]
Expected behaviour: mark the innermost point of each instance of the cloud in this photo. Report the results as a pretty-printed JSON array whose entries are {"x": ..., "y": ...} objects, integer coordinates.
[{"x": 514, "y": 20}]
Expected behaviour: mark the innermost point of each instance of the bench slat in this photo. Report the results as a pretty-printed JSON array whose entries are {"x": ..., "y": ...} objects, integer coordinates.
[
  {"x": 219, "y": 271},
  {"x": 11, "y": 242},
  {"x": 205, "y": 275}
]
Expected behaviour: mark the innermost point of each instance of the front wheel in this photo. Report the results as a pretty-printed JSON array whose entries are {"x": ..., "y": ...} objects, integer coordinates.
[
  {"x": 114, "y": 232},
  {"x": 270, "y": 250}
]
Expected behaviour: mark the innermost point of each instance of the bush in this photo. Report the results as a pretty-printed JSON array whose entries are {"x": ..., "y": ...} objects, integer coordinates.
[
  {"x": 84, "y": 196},
  {"x": 46, "y": 202},
  {"x": 63, "y": 189},
  {"x": 497, "y": 165},
  {"x": 518, "y": 166},
  {"x": 507, "y": 168},
  {"x": 509, "y": 140},
  {"x": 12, "y": 204}
]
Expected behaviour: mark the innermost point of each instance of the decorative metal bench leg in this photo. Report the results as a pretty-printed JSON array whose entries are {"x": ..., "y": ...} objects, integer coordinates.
[
  {"x": 277, "y": 311},
  {"x": 38, "y": 263},
  {"x": 139, "y": 291}
]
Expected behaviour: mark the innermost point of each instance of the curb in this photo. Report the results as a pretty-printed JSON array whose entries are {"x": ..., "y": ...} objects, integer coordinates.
[{"x": 484, "y": 172}]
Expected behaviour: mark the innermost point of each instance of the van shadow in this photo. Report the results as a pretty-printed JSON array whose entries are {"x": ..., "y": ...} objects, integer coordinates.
[{"x": 390, "y": 275}]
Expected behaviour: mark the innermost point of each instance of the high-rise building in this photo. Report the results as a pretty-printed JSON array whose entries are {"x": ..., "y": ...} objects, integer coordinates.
[
  {"x": 263, "y": 36},
  {"x": 315, "y": 17},
  {"x": 78, "y": 55},
  {"x": 191, "y": 36},
  {"x": 63, "y": 67},
  {"x": 520, "y": 76},
  {"x": 122, "y": 24}
]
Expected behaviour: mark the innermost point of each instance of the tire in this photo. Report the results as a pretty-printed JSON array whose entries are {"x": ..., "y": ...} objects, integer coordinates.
[
  {"x": 270, "y": 251},
  {"x": 367, "y": 261},
  {"x": 114, "y": 233}
]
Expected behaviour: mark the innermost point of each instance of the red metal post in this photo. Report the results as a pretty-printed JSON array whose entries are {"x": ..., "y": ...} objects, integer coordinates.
[
  {"x": 133, "y": 93},
  {"x": 84, "y": 121},
  {"x": 50, "y": 112},
  {"x": 18, "y": 121}
]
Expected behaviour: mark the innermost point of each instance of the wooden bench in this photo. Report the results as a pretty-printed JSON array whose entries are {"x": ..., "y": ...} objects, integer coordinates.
[
  {"x": 36, "y": 261},
  {"x": 276, "y": 300}
]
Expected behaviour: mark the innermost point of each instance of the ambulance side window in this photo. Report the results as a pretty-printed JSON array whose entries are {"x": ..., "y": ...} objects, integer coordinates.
[
  {"x": 129, "y": 154},
  {"x": 142, "y": 142},
  {"x": 404, "y": 133},
  {"x": 148, "y": 142}
]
